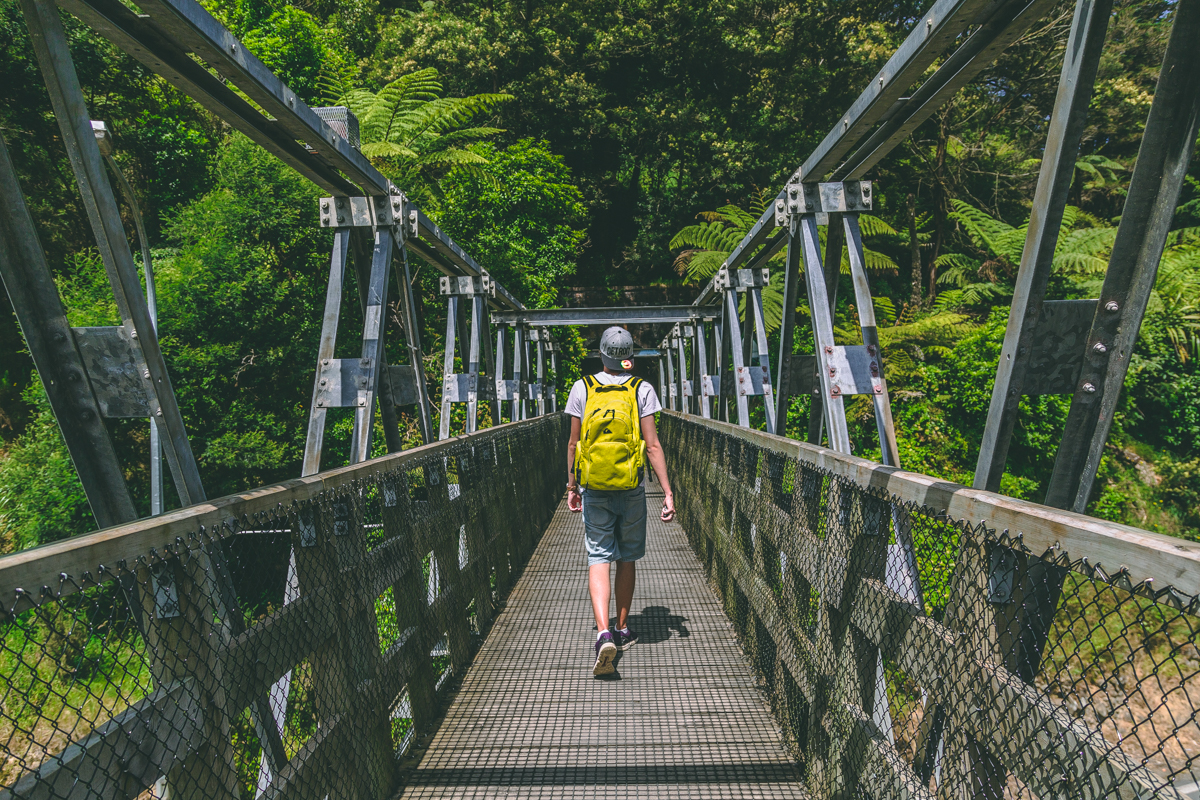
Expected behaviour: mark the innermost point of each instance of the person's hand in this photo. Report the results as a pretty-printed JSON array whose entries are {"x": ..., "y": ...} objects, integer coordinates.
[
  {"x": 668, "y": 509},
  {"x": 574, "y": 499}
]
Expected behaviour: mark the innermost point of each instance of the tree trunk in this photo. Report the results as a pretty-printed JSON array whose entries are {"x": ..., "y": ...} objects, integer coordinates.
[
  {"x": 941, "y": 201},
  {"x": 914, "y": 249}
]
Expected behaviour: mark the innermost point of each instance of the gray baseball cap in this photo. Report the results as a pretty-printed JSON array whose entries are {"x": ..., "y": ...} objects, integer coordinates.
[{"x": 616, "y": 349}]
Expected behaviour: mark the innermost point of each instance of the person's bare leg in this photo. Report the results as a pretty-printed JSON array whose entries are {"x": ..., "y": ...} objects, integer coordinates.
[
  {"x": 598, "y": 585},
  {"x": 626, "y": 574}
]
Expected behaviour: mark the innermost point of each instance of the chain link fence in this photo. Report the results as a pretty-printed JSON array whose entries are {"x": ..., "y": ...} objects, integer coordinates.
[
  {"x": 291, "y": 642},
  {"x": 908, "y": 654}
]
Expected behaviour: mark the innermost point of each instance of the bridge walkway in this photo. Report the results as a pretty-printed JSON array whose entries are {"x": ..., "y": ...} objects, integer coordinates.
[{"x": 681, "y": 717}]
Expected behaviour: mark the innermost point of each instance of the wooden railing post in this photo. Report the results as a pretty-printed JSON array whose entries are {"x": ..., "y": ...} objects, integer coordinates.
[
  {"x": 180, "y": 605},
  {"x": 410, "y": 596}
]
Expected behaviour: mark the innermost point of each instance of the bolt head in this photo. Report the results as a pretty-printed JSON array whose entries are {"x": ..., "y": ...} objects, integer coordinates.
[
  {"x": 146, "y": 374},
  {"x": 158, "y": 413},
  {"x": 1089, "y": 388},
  {"x": 828, "y": 350},
  {"x": 133, "y": 335},
  {"x": 324, "y": 205},
  {"x": 324, "y": 381},
  {"x": 320, "y": 403},
  {"x": 341, "y": 218},
  {"x": 1111, "y": 306},
  {"x": 325, "y": 363},
  {"x": 1100, "y": 348},
  {"x": 362, "y": 401}
]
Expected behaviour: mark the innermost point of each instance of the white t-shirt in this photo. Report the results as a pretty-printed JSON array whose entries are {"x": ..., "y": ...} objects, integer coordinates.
[{"x": 647, "y": 398}]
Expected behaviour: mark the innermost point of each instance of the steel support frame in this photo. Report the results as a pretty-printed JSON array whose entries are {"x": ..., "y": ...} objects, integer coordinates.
[
  {"x": 371, "y": 374},
  {"x": 680, "y": 342},
  {"x": 672, "y": 387},
  {"x": 1050, "y": 199},
  {"x": 1163, "y": 159},
  {"x": 56, "y": 356},
  {"x": 70, "y": 109},
  {"x": 475, "y": 349},
  {"x": 703, "y": 400}
]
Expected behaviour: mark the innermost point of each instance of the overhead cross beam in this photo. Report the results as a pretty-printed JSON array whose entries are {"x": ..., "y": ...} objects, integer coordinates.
[{"x": 630, "y": 315}]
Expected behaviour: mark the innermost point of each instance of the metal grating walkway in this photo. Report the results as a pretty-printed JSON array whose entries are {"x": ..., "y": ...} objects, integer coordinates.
[{"x": 682, "y": 717}]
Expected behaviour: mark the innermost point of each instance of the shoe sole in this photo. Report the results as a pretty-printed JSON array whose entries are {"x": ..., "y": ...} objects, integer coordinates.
[
  {"x": 604, "y": 660},
  {"x": 626, "y": 645}
]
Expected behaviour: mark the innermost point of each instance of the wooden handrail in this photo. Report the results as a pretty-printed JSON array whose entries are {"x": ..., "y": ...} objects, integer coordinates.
[
  {"x": 35, "y": 575},
  {"x": 1163, "y": 560}
]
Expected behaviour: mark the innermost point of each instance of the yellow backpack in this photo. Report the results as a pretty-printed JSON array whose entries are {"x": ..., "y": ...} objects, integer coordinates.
[{"x": 611, "y": 452}]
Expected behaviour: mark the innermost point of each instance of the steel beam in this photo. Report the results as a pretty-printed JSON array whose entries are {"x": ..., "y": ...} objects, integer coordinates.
[
  {"x": 48, "y": 335},
  {"x": 550, "y": 317},
  {"x": 432, "y": 237},
  {"x": 1054, "y": 182},
  {"x": 314, "y": 441},
  {"x": 787, "y": 327},
  {"x": 412, "y": 336},
  {"x": 1006, "y": 25},
  {"x": 889, "y": 450},
  {"x": 822, "y": 323},
  {"x": 1154, "y": 188},
  {"x": 700, "y": 356},
  {"x": 50, "y": 47},
  {"x": 161, "y": 38},
  {"x": 934, "y": 32},
  {"x": 372, "y": 345},
  {"x": 831, "y": 275}
]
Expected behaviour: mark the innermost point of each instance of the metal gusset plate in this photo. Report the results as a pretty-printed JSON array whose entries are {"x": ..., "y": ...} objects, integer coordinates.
[{"x": 112, "y": 369}]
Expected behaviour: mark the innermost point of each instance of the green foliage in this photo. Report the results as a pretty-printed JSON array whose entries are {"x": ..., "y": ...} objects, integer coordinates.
[
  {"x": 521, "y": 214},
  {"x": 704, "y": 247},
  {"x": 240, "y": 303},
  {"x": 297, "y": 49},
  {"x": 41, "y": 498},
  {"x": 414, "y": 135}
]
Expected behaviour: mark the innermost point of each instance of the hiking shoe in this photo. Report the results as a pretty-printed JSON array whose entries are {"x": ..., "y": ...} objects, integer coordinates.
[
  {"x": 624, "y": 639},
  {"x": 606, "y": 651}
]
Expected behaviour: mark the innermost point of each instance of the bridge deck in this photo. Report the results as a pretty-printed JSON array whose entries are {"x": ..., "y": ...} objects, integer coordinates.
[{"x": 682, "y": 716}]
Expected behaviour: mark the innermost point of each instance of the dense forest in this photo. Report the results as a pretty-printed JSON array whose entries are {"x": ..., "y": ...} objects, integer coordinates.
[{"x": 600, "y": 144}]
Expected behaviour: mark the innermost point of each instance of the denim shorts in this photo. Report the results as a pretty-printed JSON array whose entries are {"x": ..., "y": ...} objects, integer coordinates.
[{"x": 614, "y": 525}]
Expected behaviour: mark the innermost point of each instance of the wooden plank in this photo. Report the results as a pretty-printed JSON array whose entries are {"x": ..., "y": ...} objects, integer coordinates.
[
  {"x": 883, "y": 769},
  {"x": 315, "y": 769},
  {"x": 124, "y": 756},
  {"x": 794, "y": 650},
  {"x": 1032, "y": 736},
  {"x": 1165, "y": 560},
  {"x": 265, "y": 653}
]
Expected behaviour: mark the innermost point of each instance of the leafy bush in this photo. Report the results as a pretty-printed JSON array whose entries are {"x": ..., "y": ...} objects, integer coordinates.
[{"x": 41, "y": 498}]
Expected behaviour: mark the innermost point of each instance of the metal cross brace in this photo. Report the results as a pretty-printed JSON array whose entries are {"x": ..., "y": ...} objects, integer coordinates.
[{"x": 466, "y": 387}]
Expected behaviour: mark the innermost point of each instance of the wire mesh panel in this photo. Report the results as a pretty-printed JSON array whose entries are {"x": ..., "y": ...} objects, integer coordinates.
[
  {"x": 288, "y": 643},
  {"x": 908, "y": 653}
]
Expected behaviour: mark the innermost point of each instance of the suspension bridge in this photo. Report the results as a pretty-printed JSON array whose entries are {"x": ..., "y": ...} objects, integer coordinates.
[{"x": 417, "y": 625}]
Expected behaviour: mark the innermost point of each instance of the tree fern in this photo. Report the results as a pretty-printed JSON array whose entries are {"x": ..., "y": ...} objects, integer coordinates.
[
  {"x": 704, "y": 247},
  {"x": 413, "y": 134}
]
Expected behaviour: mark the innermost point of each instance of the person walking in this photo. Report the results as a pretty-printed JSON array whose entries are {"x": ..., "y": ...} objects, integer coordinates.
[{"x": 612, "y": 437}]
